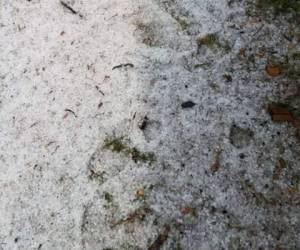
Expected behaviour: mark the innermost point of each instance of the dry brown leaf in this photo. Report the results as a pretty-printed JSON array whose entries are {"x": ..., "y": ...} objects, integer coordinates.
[
  {"x": 140, "y": 193},
  {"x": 242, "y": 52},
  {"x": 290, "y": 190},
  {"x": 189, "y": 210},
  {"x": 280, "y": 113},
  {"x": 137, "y": 215},
  {"x": 281, "y": 165},
  {"x": 216, "y": 165},
  {"x": 273, "y": 70}
]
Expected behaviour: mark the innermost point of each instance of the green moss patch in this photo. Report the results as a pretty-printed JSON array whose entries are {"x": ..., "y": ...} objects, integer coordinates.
[
  {"x": 213, "y": 41},
  {"x": 279, "y": 6},
  {"x": 270, "y": 9},
  {"x": 148, "y": 34},
  {"x": 119, "y": 145},
  {"x": 183, "y": 23}
]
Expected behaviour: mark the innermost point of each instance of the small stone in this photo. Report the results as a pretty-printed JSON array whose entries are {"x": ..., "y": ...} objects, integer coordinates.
[{"x": 188, "y": 104}]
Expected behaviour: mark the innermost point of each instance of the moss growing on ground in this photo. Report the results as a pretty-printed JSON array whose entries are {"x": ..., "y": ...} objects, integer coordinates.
[
  {"x": 97, "y": 176},
  {"x": 279, "y": 6},
  {"x": 148, "y": 33},
  {"x": 273, "y": 8},
  {"x": 118, "y": 145},
  {"x": 108, "y": 197},
  {"x": 214, "y": 41},
  {"x": 115, "y": 144},
  {"x": 183, "y": 23}
]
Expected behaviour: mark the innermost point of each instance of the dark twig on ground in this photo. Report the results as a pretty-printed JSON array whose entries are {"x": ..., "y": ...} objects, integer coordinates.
[
  {"x": 123, "y": 65},
  {"x": 65, "y": 5},
  {"x": 162, "y": 237},
  {"x": 71, "y": 111}
]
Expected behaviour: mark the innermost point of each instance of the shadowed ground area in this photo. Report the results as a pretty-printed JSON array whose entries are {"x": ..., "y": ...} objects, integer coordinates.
[{"x": 158, "y": 124}]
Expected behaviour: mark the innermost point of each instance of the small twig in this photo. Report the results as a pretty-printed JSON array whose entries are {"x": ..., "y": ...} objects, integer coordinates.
[
  {"x": 256, "y": 32},
  {"x": 34, "y": 124},
  {"x": 134, "y": 115},
  {"x": 99, "y": 90},
  {"x": 70, "y": 8},
  {"x": 112, "y": 17},
  {"x": 162, "y": 237},
  {"x": 138, "y": 214},
  {"x": 56, "y": 148},
  {"x": 50, "y": 143},
  {"x": 100, "y": 105},
  {"x": 71, "y": 111},
  {"x": 216, "y": 165},
  {"x": 123, "y": 65}
]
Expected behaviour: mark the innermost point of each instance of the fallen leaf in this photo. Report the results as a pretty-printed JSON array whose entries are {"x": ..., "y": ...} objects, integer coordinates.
[
  {"x": 189, "y": 210},
  {"x": 290, "y": 190},
  {"x": 140, "y": 193},
  {"x": 281, "y": 165},
  {"x": 280, "y": 113},
  {"x": 216, "y": 165},
  {"x": 242, "y": 52},
  {"x": 273, "y": 70}
]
